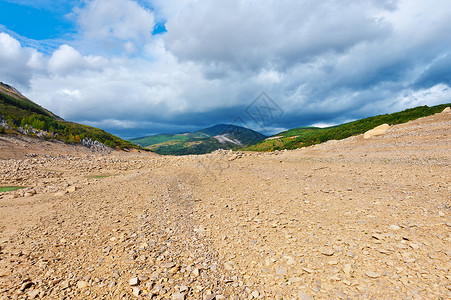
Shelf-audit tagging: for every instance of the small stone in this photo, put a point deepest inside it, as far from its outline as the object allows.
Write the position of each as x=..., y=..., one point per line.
x=64, y=284
x=394, y=227
x=291, y=261
x=281, y=271
x=310, y=271
x=178, y=296
x=196, y=272
x=26, y=285
x=136, y=291
x=209, y=297
x=183, y=288
x=327, y=252
x=174, y=270
x=372, y=274
x=441, y=213
x=255, y=294
x=347, y=269
x=71, y=189
x=220, y=297
x=33, y=294
x=303, y=296
x=82, y=284
x=332, y=262
x=228, y=266
x=134, y=281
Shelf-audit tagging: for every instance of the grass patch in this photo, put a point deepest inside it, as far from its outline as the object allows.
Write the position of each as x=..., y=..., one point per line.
x=10, y=188
x=97, y=176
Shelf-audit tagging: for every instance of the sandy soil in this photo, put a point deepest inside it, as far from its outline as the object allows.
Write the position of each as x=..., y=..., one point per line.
x=352, y=219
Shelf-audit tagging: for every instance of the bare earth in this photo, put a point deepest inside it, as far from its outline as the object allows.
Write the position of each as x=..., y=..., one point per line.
x=352, y=219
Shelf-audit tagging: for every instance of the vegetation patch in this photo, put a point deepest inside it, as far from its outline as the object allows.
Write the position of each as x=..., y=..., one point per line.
x=307, y=136
x=98, y=176
x=10, y=188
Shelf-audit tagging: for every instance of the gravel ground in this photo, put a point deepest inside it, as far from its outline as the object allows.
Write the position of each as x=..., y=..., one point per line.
x=352, y=219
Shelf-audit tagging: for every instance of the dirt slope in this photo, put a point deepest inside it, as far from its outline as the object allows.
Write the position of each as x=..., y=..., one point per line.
x=358, y=218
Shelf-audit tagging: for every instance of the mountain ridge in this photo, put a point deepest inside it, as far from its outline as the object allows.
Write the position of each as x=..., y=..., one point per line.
x=206, y=140
x=21, y=116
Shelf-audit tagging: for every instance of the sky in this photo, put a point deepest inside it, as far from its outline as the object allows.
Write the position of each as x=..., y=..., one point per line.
x=136, y=68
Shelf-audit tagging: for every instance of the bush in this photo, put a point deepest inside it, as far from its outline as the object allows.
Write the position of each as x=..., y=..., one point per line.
x=2, y=130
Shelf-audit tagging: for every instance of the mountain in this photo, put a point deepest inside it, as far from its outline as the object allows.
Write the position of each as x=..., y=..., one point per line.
x=20, y=115
x=307, y=136
x=222, y=136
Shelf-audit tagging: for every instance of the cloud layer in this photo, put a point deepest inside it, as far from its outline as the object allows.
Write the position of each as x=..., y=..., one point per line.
x=320, y=62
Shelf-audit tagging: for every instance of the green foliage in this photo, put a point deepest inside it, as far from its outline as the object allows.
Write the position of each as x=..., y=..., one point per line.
x=2, y=130
x=159, y=138
x=19, y=111
x=199, y=142
x=307, y=136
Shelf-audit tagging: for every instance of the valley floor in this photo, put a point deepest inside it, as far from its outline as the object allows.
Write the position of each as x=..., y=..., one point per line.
x=351, y=219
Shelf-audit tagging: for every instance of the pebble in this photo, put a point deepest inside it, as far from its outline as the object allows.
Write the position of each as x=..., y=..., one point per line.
x=136, y=291
x=327, y=252
x=372, y=274
x=281, y=271
x=134, y=281
x=178, y=296
x=82, y=284
x=394, y=227
x=255, y=294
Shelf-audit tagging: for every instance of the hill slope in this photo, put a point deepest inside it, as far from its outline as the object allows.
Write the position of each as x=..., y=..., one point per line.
x=222, y=136
x=307, y=136
x=19, y=115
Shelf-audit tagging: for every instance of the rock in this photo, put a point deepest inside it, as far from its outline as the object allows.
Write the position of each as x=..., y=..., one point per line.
x=372, y=274
x=183, y=288
x=303, y=296
x=228, y=266
x=71, y=189
x=196, y=271
x=379, y=130
x=26, y=285
x=447, y=110
x=33, y=294
x=347, y=269
x=134, y=281
x=394, y=227
x=136, y=291
x=82, y=284
x=209, y=297
x=327, y=252
x=64, y=284
x=291, y=261
x=281, y=271
x=255, y=294
x=173, y=270
x=310, y=271
x=178, y=296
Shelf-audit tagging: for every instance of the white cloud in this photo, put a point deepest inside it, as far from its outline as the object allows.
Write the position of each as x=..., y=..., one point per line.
x=113, y=22
x=321, y=62
x=17, y=63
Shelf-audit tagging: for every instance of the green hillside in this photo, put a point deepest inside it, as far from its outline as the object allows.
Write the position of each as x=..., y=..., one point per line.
x=222, y=136
x=19, y=115
x=159, y=138
x=307, y=136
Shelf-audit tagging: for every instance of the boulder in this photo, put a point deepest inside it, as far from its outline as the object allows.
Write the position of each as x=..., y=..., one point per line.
x=379, y=130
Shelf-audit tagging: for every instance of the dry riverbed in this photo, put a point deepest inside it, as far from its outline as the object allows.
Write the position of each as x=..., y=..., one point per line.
x=352, y=219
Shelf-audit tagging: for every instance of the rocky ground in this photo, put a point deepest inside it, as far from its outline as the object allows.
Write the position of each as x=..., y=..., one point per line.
x=352, y=219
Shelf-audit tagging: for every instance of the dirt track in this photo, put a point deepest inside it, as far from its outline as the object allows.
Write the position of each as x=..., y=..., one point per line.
x=347, y=219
